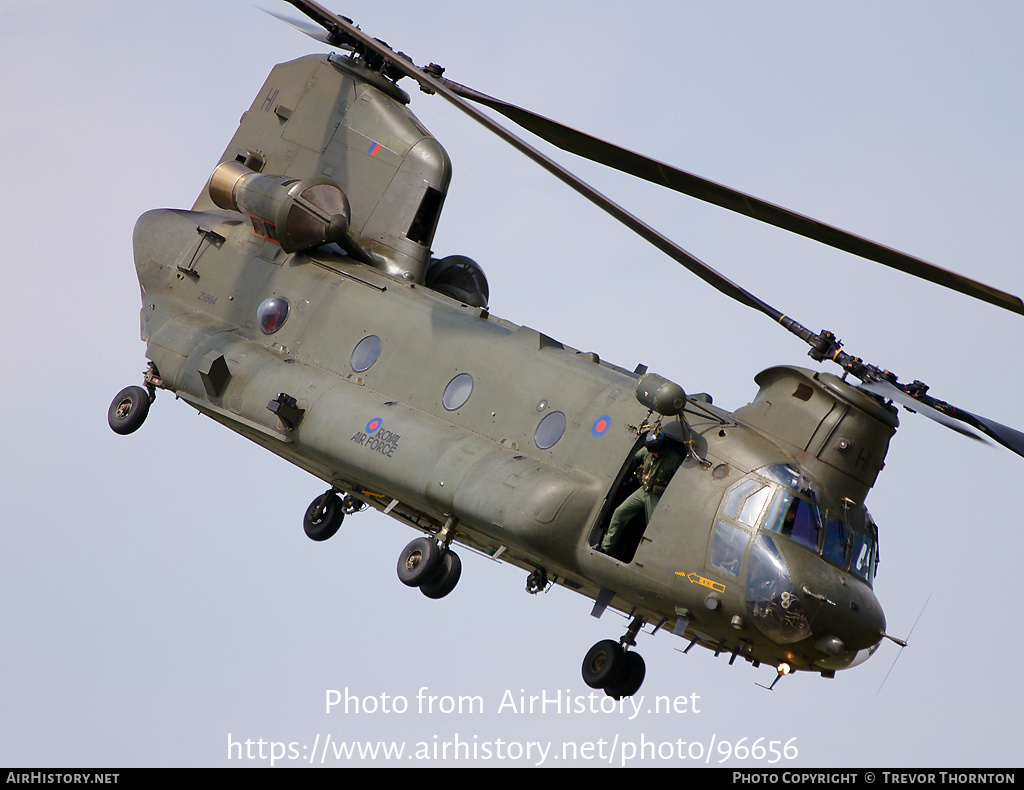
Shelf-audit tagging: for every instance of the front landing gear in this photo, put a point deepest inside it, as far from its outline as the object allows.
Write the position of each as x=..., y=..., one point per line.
x=425, y=564
x=609, y=666
x=447, y=576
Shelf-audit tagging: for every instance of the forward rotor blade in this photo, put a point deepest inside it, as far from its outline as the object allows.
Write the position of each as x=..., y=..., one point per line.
x=626, y=161
x=1008, y=437
x=950, y=416
x=891, y=392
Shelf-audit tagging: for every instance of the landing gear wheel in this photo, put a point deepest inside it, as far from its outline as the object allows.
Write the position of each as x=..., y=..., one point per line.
x=323, y=517
x=633, y=678
x=128, y=410
x=447, y=576
x=418, y=562
x=604, y=665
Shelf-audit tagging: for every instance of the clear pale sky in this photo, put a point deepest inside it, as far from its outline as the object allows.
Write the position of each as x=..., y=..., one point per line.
x=157, y=594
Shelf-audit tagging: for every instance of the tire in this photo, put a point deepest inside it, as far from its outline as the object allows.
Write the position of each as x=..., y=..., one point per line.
x=635, y=672
x=418, y=562
x=323, y=518
x=604, y=665
x=445, y=578
x=128, y=410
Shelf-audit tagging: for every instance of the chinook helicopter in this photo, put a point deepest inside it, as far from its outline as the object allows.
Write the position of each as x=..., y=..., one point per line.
x=299, y=304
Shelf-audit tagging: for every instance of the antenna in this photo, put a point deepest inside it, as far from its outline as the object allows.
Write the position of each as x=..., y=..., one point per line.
x=902, y=643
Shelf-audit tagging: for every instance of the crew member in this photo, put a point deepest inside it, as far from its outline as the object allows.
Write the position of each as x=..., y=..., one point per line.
x=657, y=462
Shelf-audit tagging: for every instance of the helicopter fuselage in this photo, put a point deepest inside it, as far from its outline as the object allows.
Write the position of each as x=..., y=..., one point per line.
x=384, y=434
x=503, y=439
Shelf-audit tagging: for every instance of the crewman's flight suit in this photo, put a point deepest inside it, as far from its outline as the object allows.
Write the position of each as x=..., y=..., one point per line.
x=655, y=471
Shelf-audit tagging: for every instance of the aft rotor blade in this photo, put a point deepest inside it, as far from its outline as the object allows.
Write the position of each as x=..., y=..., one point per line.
x=341, y=28
x=823, y=345
x=950, y=416
x=311, y=30
x=328, y=20
x=626, y=161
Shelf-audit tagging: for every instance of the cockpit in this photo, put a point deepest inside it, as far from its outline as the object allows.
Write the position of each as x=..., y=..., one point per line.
x=843, y=536
x=772, y=510
x=778, y=500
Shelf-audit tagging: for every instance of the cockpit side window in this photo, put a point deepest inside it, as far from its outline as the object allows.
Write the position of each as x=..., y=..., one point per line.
x=738, y=496
x=864, y=552
x=728, y=547
x=750, y=513
x=836, y=541
x=746, y=501
x=742, y=511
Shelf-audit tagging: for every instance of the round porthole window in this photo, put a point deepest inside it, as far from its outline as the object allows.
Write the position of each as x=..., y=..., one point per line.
x=457, y=392
x=549, y=430
x=365, y=353
x=271, y=314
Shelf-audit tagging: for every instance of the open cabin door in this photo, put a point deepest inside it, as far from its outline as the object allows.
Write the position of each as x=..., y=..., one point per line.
x=626, y=483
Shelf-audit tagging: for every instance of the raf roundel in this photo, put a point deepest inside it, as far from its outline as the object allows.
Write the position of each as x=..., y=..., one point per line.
x=601, y=426
x=374, y=425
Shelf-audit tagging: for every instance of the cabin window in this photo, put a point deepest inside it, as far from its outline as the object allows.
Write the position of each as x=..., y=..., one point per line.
x=550, y=430
x=457, y=392
x=365, y=353
x=271, y=314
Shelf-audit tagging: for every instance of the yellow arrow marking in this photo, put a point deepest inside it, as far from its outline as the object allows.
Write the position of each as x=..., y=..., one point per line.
x=695, y=578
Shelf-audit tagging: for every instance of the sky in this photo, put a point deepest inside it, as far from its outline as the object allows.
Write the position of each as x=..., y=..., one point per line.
x=159, y=603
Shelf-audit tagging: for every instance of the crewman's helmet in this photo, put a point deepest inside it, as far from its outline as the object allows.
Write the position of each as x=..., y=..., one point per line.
x=655, y=442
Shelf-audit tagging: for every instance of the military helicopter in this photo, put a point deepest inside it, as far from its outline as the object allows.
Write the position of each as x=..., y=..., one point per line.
x=299, y=304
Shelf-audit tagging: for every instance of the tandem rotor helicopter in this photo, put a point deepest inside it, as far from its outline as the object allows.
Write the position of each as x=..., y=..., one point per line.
x=298, y=303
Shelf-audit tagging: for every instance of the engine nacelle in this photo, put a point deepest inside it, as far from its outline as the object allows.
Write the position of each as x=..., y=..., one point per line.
x=297, y=214
x=460, y=278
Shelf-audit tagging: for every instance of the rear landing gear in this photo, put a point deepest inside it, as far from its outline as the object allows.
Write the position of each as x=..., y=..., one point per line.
x=128, y=410
x=323, y=516
x=325, y=513
x=130, y=407
x=609, y=666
